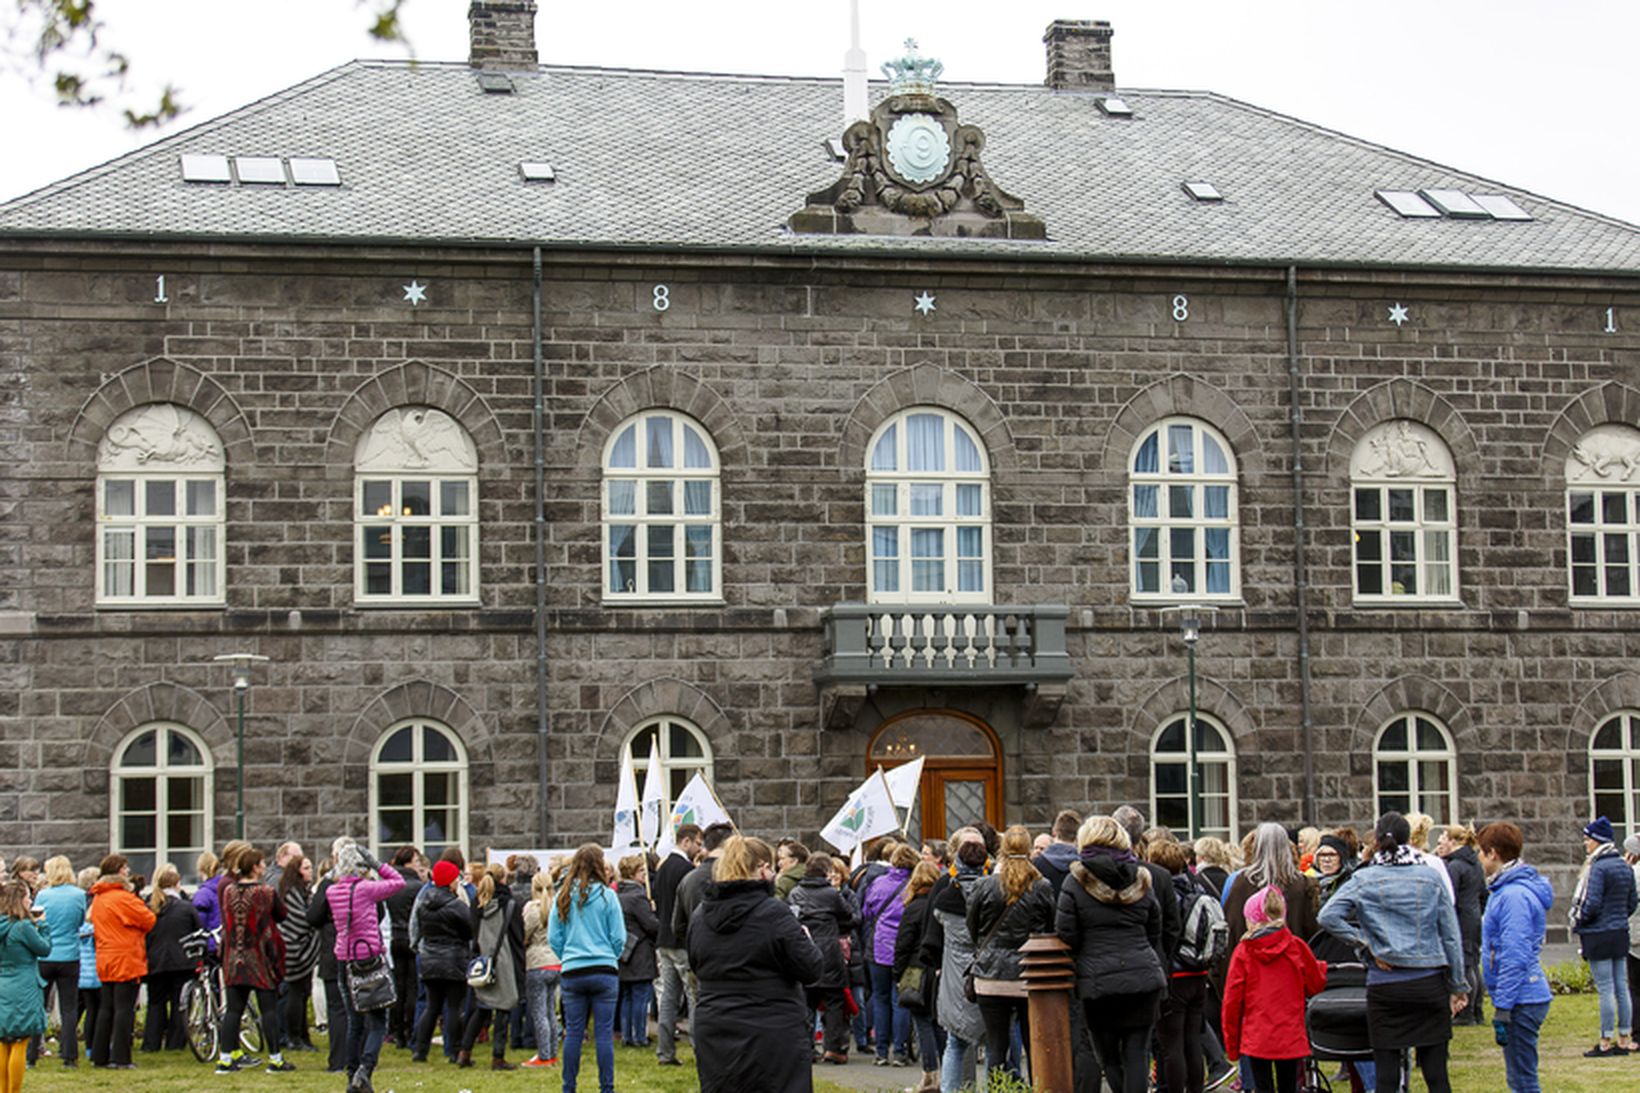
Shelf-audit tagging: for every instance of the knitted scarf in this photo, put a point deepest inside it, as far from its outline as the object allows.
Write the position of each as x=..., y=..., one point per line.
x=1604, y=850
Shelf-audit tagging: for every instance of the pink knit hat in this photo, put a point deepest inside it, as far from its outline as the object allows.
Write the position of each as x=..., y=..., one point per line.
x=1254, y=910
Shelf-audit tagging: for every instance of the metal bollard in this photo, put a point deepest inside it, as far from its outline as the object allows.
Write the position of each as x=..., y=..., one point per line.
x=1050, y=978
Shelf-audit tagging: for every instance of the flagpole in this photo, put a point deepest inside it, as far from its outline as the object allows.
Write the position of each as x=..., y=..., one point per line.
x=713, y=791
x=904, y=832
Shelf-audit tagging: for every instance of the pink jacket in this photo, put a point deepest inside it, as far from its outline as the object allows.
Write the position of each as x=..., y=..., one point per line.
x=353, y=903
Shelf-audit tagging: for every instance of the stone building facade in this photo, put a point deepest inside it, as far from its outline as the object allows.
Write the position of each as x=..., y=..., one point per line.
x=1049, y=670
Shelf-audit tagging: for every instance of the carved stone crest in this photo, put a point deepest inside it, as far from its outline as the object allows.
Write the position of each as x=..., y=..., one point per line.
x=1401, y=449
x=914, y=169
x=1607, y=453
x=160, y=436
x=416, y=438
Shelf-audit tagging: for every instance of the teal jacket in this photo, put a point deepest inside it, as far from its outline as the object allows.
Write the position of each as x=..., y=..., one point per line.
x=64, y=905
x=594, y=936
x=22, y=1003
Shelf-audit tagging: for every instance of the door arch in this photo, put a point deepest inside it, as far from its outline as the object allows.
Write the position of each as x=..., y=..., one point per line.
x=962, y=768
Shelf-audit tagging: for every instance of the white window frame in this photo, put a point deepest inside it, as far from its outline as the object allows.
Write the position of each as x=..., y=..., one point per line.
x=151, y=444
x=1604, y=464
x=416, y=766
x=446, y=458
x=701, y=764
x=162, y=772
x=1404, y=455
x=676, y=477
x=1627, y=754
x=1197, y=481
x=1225, y=759
x=903, y=523
x=1412, y=756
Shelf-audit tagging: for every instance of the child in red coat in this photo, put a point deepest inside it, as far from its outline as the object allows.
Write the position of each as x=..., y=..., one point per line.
x=1271, y=974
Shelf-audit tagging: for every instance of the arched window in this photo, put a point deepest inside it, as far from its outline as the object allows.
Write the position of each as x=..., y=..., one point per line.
x=661, y=511
x=1415, y=768
x=1172, y=803
x=1614, y=772
x=1404, y=515
x=418, y=789
x=159, y=509
x=928, y=511
x=1603, y=515
x=417, y=514
x=685, y=752
x=162, y=798
x=1182, y=504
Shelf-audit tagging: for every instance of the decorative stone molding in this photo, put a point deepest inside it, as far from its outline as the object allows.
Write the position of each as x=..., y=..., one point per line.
x=1385, y=404
x=1605, y=455
x=417, y=698
x=415, y=438
x=161, y=436
x=1620, y=692
x=158, y=701
x=659, y=388
x=153, y=383
x=1407, y=694
x=1172, y=699
x=926, y=385
x=1608, y=404
x=412, y=386
x=664, y=697
x=1401, y=450
x=1181, y=395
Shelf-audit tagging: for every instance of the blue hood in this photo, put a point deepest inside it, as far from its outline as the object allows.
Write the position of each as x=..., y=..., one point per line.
x=1527, y=876
x=1060, y=855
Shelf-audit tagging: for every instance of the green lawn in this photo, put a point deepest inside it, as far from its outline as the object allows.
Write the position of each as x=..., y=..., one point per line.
x=1572, y=1028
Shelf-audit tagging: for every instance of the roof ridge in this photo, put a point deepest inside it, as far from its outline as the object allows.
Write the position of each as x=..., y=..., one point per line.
x=98, y=170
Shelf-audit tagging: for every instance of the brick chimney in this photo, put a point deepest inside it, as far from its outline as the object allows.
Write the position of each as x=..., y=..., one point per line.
x=1079, y=55
x=502, y=33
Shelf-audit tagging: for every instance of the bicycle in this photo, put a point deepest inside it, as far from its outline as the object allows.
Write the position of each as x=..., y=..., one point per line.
x=205, y=1001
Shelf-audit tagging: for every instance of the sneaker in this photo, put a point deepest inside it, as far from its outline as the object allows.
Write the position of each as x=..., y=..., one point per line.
x=881, y=1060
x=669, y=1062
x=230, y=1067
x=536, y=1060
x=284, y=1066
x=1598, y=1052
x=900, y=1060
x=1215, y=1081
x=502, y=1064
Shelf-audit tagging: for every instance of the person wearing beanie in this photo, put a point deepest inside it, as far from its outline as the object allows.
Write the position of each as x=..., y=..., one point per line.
x=1272, y=975
x=1601, y=906
x=1333, y=865
x=444, y=929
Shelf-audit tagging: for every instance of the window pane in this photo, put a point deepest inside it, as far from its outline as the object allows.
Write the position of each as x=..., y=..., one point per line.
x=1401, y=505
x=924, y=442
x=927, y=559
x=1217, y=542
x=927, y=542
x=1581, y=508
x=1395, y=737
x=436, y=747
x=397, y=747
x=1585, y=581
x=1213, y=459
x=927, y=499
x=417, y=578
x=139, y=831
x=1614, y=508
x=417, y=542
x=119, y=568
x=395, y=827
x=970, y=500
x=378, y=579
x=139, y=794
x=1609, y=736
x=1181, y=457
x=658, y=438
x=1394, y=777
x=439, y=789
x=1146, y=541
x=1171, y=778
x=623, y=497
x=454, y=578
x=1181, y=543
x=969, y=542
x=1435, y=506
x=683, y=743
x=119, y=497
x=967, y=451
x=184, y=830
x=1179, y=501
x=378, y=542
x=161, y=497
x=1367, y=505
x=161, y=554
x=883, y=500
x=453, y=543
x=201, y=498
x=658, y=498
x=416, y=498
x=376, y=499
x=885, y=542
x=1144, y=502
x=395, y=789
x=624, y=452
x=454, y=499
x=1172, y=737
x=1429, y=737
x=180, y=751
x=695, y=452
x=1144, y=461
x=1149, y=577
x=882, y=456
x=662, y=577
x=201, y=544
x=1218, y=575
x=1583, y=549
x=697, y=498
x=1216, y=502
x=1182, y=578
x=970, y=576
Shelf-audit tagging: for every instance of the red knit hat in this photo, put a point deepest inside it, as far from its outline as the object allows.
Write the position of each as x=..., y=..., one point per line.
x=445, y=872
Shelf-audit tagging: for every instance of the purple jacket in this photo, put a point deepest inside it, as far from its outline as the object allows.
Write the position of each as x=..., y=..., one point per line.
x=353, y=903
x=209, y=908
x=881, y=912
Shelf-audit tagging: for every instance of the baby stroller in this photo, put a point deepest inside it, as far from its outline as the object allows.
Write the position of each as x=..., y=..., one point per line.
x=1337, y=1017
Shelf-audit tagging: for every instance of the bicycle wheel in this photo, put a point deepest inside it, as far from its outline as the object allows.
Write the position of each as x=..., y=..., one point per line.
x=200, y=1021
x=250, y=1029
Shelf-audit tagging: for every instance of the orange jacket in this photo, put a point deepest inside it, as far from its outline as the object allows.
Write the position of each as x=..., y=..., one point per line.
x=119, y=923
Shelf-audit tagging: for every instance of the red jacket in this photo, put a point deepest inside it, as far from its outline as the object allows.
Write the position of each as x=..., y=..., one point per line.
x=1270, y=977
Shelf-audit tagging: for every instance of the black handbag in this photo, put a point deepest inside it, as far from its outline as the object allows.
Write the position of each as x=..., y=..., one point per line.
x=970, y=974
x=369, y=979
x=912, y=988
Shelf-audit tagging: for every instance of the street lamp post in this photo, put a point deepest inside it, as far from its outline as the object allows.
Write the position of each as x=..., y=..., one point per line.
x=1190, y=629
x=242, y=665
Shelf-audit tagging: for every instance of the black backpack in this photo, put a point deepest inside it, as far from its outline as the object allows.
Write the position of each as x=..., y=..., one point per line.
x=1206, y=937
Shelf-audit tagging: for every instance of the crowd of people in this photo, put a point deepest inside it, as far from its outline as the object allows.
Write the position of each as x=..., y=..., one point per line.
x=1194, y=961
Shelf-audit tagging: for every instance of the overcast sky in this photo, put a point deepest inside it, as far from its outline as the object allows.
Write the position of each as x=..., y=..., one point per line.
x=1531, y=93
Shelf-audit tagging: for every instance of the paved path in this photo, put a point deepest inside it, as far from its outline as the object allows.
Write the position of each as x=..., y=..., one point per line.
x=862, y=1075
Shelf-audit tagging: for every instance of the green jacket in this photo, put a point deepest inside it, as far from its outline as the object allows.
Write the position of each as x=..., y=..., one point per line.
x=785, y=882
x=22, y=1003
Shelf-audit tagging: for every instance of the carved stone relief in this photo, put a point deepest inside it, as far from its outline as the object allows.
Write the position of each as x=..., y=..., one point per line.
x=1607, y=453
x=160, y=436
x=1401, y=449
x=416, y=438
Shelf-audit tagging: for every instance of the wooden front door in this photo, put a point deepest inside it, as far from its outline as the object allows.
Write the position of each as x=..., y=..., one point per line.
x=962, y=769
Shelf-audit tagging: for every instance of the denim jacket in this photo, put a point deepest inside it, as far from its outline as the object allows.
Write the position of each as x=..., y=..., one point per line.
x=1387, y=909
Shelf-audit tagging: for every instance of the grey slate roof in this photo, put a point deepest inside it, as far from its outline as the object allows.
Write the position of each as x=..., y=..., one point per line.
x=668, y=160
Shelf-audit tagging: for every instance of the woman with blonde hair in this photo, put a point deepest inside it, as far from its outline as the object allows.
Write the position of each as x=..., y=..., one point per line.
x=919, y=897
x=752, y=960
x=63, y=903
x=498, y=933
x=168, y=966
x=587, y=931
x=542, y=971
x=1006, y=908
x=24, y=939
x=1456, y=847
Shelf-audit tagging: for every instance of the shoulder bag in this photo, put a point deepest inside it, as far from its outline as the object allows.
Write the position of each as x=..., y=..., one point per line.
x=968, y=976
x=369, y=979
x=481, y=968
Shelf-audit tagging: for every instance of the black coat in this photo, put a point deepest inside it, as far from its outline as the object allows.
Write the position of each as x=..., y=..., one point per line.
x=908, y=942
x=1112, y=921
x=1469, y=887
x=399, y=905
x=664, y=886
x=1172, y=918
x=691, y=890
x=829, y=916
x=318, y=916
x=752, y=960
x=175, y=921
x=1031, y=913
x=638, y=963
x=446, y=934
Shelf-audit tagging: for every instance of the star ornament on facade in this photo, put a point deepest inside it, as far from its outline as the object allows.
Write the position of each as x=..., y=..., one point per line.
x=925, y=303
x=1398, y=314
x=415, y=293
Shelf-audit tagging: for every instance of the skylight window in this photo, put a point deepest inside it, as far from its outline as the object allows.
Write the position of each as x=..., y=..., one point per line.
x=834, y=145
x=536, y=171
x=496, y=83
x=259, y=170
x=1407, y=203
x=1455, y=203
x=205, y=169
x=1114, y=107
x=1501, y=207
x=308, y=171
x=1203, y=191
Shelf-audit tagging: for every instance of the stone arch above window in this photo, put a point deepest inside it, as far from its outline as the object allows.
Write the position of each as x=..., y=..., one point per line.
x=1397, y=697
x=1180, y=395
x=662, y=388
x=160, y=381
x=412, y=387
x=665, y=697
x=926, y=385
x=1608, y=404
x=1405, y=400
x=1213, y=698
x=418, y=699
x=159, y=701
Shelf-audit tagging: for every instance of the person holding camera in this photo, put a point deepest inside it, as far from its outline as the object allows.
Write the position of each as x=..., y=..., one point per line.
x=355, y=902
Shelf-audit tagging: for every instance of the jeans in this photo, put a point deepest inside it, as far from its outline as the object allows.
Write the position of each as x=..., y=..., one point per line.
x=1520, y=1052
x=541, y=985
x=476, y=1021
x=892, y=1021
x=591, y=996
x=635, y=1013
x=957, y=1065
x=65, y=976
x=999, y=1015
x=673, y=982
x=1181, y=1033
x=116, y=1023
x=439, y=994
x=930, y=1042
x=401, y=1015
x=1615, y=1007
x=365, y=1033
x=234, y=1014
x=297, y=992
x=336, y=1018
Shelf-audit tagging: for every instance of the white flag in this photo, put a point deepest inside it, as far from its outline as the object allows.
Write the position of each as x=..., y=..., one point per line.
x=626, y=806
x=695, y=805
x=904, y=782
x=649, y=802
x=868, y=812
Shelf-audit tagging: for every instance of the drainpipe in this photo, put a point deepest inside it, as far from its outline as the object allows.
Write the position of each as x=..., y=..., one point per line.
x=540, y=424
x=1301, y=573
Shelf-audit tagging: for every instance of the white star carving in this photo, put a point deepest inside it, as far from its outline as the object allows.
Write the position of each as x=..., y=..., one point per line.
x=415, y=292
x=1398, y=314
x=925, y=303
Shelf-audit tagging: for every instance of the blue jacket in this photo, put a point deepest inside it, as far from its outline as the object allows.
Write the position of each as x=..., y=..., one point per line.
x=1512, y=937
x=64, y=905
x=594, y=936
x=88, y=959
x=1610, y=897
x=1389, y=910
